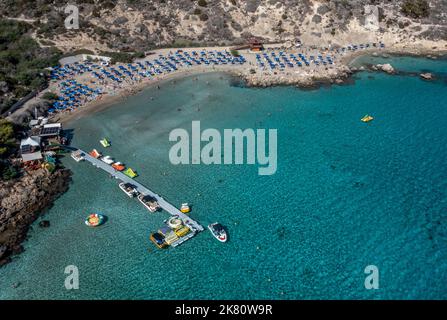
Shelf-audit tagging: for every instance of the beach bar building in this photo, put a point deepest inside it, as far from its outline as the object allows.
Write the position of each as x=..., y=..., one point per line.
x=50, y=130
x=255, y=45
x=30, y=149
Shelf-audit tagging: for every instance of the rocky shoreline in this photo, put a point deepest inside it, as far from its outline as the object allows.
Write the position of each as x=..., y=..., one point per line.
x=340, y=75
x=24, y=200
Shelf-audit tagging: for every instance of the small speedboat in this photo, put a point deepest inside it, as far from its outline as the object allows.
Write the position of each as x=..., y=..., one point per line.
x=367, y=118
x=118, y=166
x=185, y=208
x=129, y=189
x=149, y=202
x=107, y=159
x=94, y=220
x=218, y=231
x=105, y=143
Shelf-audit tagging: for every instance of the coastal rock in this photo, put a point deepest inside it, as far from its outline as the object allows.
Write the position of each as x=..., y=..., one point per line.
x=22, y=202
x=426, y=76
x=388, y=68
x=4, y=88
x=44, y=224
x=3, y=251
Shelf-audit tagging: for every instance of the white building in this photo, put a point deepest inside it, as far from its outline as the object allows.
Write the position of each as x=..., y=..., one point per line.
x=30, y=149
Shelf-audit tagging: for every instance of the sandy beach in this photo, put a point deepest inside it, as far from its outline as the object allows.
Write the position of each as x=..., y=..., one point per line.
x=309, y=76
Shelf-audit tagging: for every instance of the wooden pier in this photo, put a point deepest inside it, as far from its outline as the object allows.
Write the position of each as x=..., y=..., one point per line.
x=165, y=205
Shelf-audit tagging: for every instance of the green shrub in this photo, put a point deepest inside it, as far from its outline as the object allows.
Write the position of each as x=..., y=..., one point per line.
x=7, y=140
x=234, y=53
x=202, y=3
x=8, y=172
x=415, y=8
x=139, y=54
x=50, y=96
x=22, y=61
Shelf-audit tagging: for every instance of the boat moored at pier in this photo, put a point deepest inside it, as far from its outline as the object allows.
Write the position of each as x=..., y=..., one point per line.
x=130, y=173
x=95, y=154
x=129, y=189
x=149, y=202
x=185, y=208
x=107, y=159
x=181, y=228
x=118, y=166
x=78, y=155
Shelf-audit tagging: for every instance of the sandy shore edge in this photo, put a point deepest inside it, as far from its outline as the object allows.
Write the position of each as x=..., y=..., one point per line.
x=340, y=75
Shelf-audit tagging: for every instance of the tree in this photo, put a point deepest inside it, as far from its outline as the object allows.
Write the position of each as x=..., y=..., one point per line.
x=9, y=172
x=415, y=8
x=234, y=53
x=7, y=139
x=50, y=96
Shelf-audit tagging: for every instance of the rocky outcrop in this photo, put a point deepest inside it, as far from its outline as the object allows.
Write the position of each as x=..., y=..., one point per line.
x=44, y=224
x=388, y=68
x=22, y=201
x=311, y=80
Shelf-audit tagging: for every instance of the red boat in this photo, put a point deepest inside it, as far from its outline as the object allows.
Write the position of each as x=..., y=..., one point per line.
x=118, y=166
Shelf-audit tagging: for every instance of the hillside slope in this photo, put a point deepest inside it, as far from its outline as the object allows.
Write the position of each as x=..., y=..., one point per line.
x=140, y=25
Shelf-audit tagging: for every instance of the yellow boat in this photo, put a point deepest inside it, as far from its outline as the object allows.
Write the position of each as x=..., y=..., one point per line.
x=182, y=231
x=367, y=118
x=185, y=208
x=130, y=173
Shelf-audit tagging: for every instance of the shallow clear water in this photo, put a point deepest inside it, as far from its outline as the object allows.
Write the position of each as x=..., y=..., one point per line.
x=346, y=195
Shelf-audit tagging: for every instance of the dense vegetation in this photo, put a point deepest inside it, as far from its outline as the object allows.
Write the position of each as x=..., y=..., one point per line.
x=50, y=96
x=8, y=146
x=415, y=8
x=22, y=62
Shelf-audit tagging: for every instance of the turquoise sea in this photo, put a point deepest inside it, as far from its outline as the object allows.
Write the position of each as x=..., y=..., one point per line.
x=346, y=195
